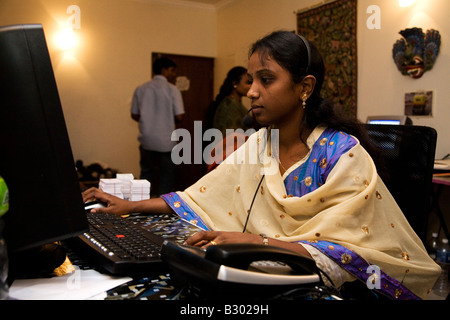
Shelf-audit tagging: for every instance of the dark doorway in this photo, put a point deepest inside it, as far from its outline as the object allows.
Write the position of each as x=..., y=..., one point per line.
x=196, y=82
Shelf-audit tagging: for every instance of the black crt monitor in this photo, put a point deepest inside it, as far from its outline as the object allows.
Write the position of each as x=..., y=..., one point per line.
x=36, y=159
x=389, y=120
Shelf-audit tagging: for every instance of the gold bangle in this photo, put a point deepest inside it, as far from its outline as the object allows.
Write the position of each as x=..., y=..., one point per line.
x=265, y=239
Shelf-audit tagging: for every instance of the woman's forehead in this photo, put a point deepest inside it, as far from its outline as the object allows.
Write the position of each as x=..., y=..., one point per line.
x=262, y=61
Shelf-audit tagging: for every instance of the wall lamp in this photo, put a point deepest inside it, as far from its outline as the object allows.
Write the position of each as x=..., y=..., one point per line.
x=67, y=38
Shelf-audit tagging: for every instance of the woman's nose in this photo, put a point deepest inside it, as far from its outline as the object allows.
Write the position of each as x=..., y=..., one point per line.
x=252, y=93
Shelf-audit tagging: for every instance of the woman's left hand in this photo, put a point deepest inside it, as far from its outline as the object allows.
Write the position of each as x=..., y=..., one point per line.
x=205, y=239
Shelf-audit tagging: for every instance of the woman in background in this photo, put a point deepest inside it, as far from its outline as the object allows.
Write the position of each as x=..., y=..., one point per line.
x=227, y=110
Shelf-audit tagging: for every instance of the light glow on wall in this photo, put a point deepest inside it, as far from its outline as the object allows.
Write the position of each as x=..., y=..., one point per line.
x=406, y=3
x=66, y=39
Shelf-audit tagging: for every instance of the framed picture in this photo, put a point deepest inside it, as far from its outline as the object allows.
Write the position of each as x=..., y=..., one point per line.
x=419, y=103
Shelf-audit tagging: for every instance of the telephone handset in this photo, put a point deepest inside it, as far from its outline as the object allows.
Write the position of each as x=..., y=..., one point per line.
x=240, y=267
x=242, y=255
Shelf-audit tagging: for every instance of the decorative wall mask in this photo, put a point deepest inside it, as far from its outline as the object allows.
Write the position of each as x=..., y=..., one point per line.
x=416, y=52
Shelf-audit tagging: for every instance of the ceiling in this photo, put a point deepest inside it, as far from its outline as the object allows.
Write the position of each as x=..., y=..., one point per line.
x=212, y=3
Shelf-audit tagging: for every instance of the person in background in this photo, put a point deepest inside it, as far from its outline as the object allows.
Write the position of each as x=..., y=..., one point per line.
x=157, y=105
x=227, y=110
x=314, y=188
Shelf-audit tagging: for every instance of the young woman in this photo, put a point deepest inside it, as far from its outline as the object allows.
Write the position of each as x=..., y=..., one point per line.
x=227, y=110
x=304, y=182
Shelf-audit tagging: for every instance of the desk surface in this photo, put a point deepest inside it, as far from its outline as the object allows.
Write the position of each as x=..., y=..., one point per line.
x=441, y=179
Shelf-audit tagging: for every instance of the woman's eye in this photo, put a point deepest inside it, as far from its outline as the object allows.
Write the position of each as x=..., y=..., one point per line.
x=266, y=80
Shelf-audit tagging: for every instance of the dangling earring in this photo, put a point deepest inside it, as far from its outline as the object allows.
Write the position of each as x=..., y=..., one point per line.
x=304, y=98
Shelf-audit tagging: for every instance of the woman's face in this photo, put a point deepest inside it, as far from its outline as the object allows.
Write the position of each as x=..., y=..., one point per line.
x=275, y=98
x=243, y=86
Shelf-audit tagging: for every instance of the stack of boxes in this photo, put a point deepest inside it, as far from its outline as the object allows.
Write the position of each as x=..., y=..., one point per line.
x=124, y=186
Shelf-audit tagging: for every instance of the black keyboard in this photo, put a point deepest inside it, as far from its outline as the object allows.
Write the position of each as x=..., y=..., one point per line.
x=131, y=245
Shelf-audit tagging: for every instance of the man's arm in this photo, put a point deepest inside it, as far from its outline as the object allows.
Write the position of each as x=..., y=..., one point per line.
x=135, y=117
x=179, y=118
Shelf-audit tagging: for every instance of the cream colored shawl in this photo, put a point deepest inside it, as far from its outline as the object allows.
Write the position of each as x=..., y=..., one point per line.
x=353, y=208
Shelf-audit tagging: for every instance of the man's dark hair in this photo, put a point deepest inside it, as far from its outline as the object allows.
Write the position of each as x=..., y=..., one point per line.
x=162, y=63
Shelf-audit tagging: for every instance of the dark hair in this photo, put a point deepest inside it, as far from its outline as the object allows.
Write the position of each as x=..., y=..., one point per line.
x=290, y=51
x=234, y=76
x=162, y=63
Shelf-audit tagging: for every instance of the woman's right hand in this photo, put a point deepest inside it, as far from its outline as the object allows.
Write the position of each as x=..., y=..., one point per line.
x=114, y=205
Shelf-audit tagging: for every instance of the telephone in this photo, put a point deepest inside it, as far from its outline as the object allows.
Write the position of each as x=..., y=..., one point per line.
x=239, y=270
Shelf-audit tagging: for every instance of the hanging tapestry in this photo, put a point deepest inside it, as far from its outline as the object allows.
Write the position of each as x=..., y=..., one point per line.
x=332, y=28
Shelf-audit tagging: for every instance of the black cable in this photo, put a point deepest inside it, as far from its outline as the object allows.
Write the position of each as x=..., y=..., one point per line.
x=332, y=289
x=251, y=205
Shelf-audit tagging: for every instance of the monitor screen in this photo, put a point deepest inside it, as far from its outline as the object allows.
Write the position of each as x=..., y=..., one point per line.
x=36, y=160
x=389, y=120
x=384, y=121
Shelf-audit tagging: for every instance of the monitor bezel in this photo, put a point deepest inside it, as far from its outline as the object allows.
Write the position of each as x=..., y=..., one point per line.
x=37, y=162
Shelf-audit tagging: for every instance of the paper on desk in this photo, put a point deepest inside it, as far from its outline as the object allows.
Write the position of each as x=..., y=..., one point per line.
x=442, y=164
x=78, y=285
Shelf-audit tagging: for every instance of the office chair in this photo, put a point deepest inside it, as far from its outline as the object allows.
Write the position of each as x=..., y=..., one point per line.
x=407, y=158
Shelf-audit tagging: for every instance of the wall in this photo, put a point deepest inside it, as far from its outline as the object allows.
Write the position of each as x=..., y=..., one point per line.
x=381, y=87
x=243, y=22
x=97, y=79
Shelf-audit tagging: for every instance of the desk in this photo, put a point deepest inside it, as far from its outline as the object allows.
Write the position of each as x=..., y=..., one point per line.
x=81, y=280
x=441, y=180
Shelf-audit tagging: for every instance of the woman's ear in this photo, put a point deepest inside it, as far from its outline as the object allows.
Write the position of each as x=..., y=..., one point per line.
x=308, y=84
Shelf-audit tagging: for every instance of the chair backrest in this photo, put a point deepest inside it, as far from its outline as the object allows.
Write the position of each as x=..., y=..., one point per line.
x=407, y=153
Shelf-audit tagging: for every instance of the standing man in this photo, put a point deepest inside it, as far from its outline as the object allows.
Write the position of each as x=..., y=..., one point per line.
x=157, y=105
